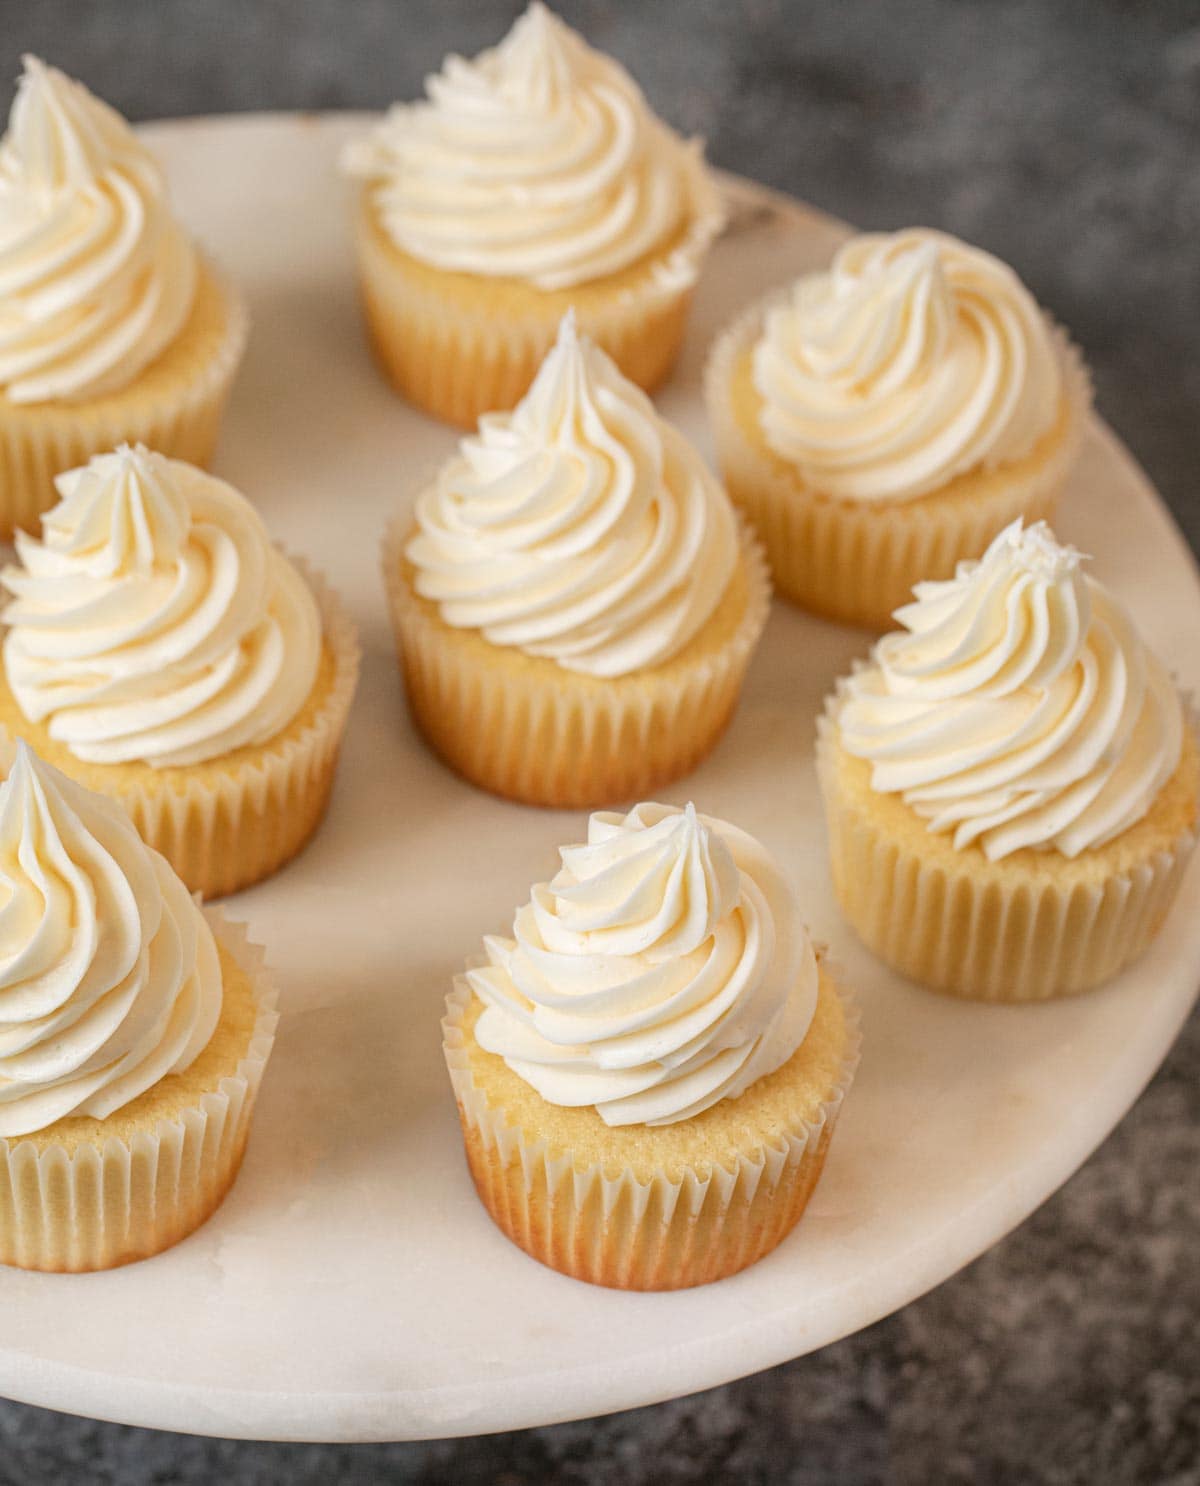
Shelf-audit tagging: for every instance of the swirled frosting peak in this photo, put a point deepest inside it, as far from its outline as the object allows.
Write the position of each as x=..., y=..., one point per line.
x=540, y=161
x=96, y=276
x=580, y=527
x=663, y=969
x=914, y=359
x=1017, y=707
x=155, y=621
x=109, y=975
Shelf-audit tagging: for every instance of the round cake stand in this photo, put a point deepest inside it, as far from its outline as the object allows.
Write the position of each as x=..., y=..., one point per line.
x=352, y=1287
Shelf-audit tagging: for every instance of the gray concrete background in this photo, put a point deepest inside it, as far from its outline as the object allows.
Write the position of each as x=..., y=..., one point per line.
x=1066, y=137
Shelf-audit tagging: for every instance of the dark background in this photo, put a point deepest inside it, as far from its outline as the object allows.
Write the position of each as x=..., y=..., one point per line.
x=1066, y=138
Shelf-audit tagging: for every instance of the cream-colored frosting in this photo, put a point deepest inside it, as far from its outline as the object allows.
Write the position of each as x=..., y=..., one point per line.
x=155, y=620
x=539, y=161
x=914, y=359
x=96, y=276
x=1017, y=707
x=109, y=975
x=663, y=969
x=580, y=527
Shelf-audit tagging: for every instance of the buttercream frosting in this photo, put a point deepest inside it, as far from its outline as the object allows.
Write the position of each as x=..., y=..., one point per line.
x=663, y=969
x=913, y=360
x=155, y=620
x=1017, y=707
x=538, y=160
x=109, y=975
x=96, y=276
x=581, y=526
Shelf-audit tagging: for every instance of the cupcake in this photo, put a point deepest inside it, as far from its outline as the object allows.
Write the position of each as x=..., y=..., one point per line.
x=529, y=180
x=649, y=1070
x=134, y=1030
x=162, y=651
x=883, y=420
x=575, y=604
x=1011, y=782
x=112, y=326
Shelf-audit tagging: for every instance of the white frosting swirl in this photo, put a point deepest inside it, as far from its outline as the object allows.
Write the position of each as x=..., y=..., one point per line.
x=96, y=276
x=1018, y=708
x=155, y=620
x=540, y=161
x=109, y=975
x=580, y=526
x=913, y=360
x=663, y=969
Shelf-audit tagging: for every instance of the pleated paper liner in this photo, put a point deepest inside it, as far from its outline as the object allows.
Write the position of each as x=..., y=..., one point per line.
x=524, y=728
x=857, y=561
x=459, y=345
x=173, y=407
x=1025, y=928
x=230, y=822
x=89, y=1194
x=643, y=1222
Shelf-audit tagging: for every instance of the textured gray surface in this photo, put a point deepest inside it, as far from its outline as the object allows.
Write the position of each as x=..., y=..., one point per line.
x=1065, y=137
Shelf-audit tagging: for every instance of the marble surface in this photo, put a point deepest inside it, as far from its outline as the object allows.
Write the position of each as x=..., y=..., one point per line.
x=1064, y=136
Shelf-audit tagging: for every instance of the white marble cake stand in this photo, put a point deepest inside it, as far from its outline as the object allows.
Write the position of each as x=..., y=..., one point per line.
x=352, y=1288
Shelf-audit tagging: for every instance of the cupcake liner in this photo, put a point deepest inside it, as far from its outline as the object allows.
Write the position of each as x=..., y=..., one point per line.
x=173, y=407
x=223, y=834
x=457, y=356
x=103, y=1205
x=857, y=561
x=226, y=827
x=524, y=728
x=602, y=1223
x=983, y=931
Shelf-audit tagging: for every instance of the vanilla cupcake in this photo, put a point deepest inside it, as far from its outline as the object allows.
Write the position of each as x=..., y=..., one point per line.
x=648, y=1072
x=161, y=650
x=883, y=420
x=112, y=325
x=531, y=179
x=575, y=604
x=1010, y=783
x=134, y=1030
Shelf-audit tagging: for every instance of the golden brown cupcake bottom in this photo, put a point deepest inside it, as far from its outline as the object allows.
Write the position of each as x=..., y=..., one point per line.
x=173, y=407
x=1032, y=925
x=229, y=822
x=87, y=1194
x=457, y=345
x=524, y=728
x=651, y=1208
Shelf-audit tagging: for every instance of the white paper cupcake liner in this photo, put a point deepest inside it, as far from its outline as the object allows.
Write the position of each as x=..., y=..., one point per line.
x=547, y=736
x=456, y=359
x=108, y=1204
x=985, y=931
x=173, y=409
x=857, y=561
x=221, y=832
x=603, y=1224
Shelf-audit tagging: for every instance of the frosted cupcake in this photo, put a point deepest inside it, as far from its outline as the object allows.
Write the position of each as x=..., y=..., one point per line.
x=134, y=1030
x=529, y=180
x=649, y=1070
x=161, y=650
x=575, y=605
x=112, y=325
x=883, y=420
x=1010, y=783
